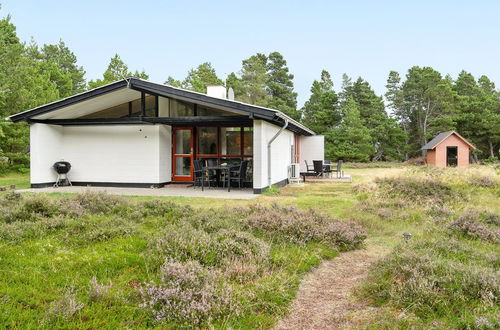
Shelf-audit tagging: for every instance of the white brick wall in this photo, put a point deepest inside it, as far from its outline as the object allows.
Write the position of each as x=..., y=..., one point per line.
x=117, y=154
x=280, y=153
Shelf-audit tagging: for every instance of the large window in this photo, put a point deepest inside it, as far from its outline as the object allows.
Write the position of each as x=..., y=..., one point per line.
x=228, y=145
x=207, y=141
x=181, y=109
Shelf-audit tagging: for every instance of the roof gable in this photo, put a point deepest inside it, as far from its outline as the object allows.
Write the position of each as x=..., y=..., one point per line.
x=254, y=112
x=432, y=144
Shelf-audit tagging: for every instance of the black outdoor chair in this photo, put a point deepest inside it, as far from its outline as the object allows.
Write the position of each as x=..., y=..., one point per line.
x=318, y=167
x=198, y=174
x=237, y=173
x=327, y=166
x=339, y=171
x=309, y=168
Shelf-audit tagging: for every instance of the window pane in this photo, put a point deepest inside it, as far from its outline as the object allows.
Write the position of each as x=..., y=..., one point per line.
x=248, y=141
x=118, y=111
x=181, y=109
x=150, y=106
x=183, y=141
x=183, y=166
x=230, y=141
x=207, y=140
x=204, y=111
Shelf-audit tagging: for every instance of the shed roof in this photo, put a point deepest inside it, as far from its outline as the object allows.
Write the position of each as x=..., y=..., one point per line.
x=443, y=136
x=253, y=111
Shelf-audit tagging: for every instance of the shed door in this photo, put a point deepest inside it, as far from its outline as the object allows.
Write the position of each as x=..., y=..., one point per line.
x=451, y=156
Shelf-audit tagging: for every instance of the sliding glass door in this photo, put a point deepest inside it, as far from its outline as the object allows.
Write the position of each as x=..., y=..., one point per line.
x=182, y=154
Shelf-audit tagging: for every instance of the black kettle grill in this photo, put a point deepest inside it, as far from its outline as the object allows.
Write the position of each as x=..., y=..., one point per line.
x=62, y=168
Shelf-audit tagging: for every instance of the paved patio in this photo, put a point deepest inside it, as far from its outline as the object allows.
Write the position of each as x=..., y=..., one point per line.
x=168, y=191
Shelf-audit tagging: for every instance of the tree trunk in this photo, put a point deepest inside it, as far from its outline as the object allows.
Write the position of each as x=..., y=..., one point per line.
x=492, y=152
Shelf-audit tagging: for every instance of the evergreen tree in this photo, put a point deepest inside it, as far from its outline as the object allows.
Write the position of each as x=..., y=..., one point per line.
x=60, y=63
x=350, y=140
x=280, y=86
x=423, y=103
x=173, y=82
x=116, y=70
x=198, y=79
x=478, y=113
x=24, y=84
x=321, y=112
x=387, y=138
x=254, y=80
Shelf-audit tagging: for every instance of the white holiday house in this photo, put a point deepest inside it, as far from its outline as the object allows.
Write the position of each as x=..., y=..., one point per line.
x=137, y=133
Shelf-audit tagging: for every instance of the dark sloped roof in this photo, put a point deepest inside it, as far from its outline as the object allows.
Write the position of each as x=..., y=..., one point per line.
x=442, y=136
x=257, y=112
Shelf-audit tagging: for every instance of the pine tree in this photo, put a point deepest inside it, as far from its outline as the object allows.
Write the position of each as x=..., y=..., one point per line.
x=116, y=70
x=350, y=140
x=198, y=79
x=280, y=86
x=321, y=112
x=387, y=138
x=254, y=80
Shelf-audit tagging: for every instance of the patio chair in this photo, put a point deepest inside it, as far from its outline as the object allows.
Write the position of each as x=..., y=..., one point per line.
x=237, y=173
x=318, y=167
x=198, y=173
x=339, y=171
x=327, y=166
x=309, y=168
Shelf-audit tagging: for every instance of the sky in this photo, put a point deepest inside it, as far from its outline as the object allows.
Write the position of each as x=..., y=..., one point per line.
x=359, y=38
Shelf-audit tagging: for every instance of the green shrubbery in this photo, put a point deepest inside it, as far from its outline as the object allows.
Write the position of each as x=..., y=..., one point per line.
x=200, y=267
x=447, y=274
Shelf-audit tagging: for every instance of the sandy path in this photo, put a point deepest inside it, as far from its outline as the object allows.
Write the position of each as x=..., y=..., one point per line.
x=324, y=298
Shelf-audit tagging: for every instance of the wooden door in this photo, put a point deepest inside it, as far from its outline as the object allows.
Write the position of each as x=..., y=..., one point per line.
x=182, y=154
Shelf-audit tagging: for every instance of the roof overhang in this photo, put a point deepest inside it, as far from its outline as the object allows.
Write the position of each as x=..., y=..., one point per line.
x=130, y=88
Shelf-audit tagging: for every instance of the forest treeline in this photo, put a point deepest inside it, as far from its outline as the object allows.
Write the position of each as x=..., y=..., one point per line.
x=358, y=124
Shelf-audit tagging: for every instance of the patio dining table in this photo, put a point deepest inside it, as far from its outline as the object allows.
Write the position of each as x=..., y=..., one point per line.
x=219, y=169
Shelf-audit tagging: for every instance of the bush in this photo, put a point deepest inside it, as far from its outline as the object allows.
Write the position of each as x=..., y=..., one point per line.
x=187, y=294
x=188, y=243
x=66, y=306
x=162, y=208
x=32, y=208
x=482, y=181
x=300, y=226
x=469, y=225
x=100, y=202
x=423, y=279
x=417, y=189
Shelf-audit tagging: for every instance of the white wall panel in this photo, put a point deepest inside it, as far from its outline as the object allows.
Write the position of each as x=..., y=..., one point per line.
x=280, y=153
x=311, y=148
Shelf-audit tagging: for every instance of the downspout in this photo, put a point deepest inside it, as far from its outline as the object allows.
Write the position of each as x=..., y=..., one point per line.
x=269, y=150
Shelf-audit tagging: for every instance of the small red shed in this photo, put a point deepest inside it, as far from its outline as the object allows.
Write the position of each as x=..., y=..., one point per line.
x=448, y=149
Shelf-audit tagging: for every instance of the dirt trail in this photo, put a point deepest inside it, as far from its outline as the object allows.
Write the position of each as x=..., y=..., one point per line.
x=324, y=299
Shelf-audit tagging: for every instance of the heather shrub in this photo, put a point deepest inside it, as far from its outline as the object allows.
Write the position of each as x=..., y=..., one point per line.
x=482, y=181
x=302, y=226
x=31, y=208
x=427, y=283
x=162, y=208
x=66, y=306
x=469, y=224
x=187, y=294
x=184, y=242
x=99, y=292
x=100, y=202
x=416, y=189
x=91, y=230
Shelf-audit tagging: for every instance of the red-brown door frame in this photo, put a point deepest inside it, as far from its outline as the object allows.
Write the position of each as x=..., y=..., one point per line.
x=181, y=178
